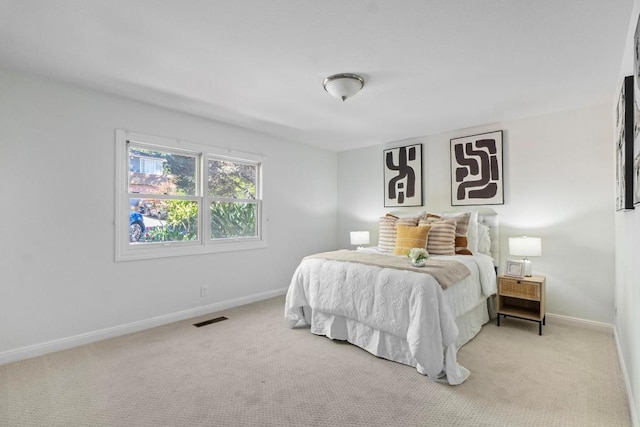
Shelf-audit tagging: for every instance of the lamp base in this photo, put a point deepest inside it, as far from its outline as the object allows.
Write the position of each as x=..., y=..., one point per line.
x=527, y=268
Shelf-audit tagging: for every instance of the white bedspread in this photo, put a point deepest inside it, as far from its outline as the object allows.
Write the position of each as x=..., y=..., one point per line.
x=404, y=304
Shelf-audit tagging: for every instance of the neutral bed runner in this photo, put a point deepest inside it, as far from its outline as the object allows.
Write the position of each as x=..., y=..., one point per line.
x=446, y=272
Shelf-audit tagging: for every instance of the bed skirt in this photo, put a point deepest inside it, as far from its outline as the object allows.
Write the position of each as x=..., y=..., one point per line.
x=392, y=347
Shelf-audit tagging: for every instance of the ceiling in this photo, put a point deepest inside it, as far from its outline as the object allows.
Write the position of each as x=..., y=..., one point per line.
x=430, y=66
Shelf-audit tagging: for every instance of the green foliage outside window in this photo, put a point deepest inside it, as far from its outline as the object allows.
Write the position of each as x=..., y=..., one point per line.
x=184, y=170
x=232, y=180
x=233, y=219
x=181, y=223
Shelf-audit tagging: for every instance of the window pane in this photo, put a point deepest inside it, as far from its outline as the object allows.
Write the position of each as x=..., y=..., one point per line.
x=162, y=220
x=160, y=172
x=233, y=219
x=231, y=179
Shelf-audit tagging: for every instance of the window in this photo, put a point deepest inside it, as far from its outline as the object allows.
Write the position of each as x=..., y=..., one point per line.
x=182, y=198
x=234, y=205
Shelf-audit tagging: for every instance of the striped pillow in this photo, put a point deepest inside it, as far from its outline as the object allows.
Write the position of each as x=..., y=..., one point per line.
x=462, y=228
x=387, y=231
x=442, y=236
x=410, y=236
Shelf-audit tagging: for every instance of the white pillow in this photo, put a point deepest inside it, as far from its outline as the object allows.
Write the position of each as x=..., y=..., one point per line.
x=484, y=239
x=473, y=239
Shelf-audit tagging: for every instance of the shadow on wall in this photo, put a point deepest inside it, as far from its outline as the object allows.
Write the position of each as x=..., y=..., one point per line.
x=579, y=263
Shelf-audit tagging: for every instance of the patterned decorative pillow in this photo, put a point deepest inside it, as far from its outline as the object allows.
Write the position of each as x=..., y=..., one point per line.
x=387, y=231
x=442, y=237
x=411, y=236
x=462, y=228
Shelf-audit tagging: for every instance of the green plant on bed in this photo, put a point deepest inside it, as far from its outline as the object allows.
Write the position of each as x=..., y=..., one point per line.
x=417, y=254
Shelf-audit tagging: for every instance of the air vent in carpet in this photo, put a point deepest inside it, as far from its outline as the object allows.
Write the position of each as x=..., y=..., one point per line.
x=210, y=321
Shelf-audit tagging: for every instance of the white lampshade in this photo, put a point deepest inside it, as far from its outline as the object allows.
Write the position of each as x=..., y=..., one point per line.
x=359, y=237
x=343, y=86
x=525, y=246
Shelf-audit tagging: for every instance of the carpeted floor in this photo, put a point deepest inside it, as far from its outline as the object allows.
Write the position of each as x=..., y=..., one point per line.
x=251, y=370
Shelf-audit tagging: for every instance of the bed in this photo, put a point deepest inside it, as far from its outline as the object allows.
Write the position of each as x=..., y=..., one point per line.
x=416, y=316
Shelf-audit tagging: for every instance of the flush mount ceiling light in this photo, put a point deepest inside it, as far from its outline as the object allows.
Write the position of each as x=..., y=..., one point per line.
x=343, y=86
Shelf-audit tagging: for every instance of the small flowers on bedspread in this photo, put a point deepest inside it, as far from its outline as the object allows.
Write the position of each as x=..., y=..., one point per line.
x=418, y=256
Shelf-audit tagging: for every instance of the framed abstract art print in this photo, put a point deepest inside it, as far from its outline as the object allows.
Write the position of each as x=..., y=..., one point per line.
x=624, y=146
x=636, y=116
x=403, y=176
x=476, y=170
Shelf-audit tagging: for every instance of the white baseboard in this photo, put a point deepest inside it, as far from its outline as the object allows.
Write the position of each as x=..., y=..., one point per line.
x=89, y=337
x=635, y=422
x=580, y=323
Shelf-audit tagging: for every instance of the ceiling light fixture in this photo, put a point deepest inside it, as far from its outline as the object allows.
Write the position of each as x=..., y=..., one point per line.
x=343, y=86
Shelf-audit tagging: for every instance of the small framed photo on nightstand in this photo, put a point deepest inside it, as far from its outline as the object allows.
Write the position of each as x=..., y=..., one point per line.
x=514, y=268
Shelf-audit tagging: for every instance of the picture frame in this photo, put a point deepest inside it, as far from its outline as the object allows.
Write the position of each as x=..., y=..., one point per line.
x=624, y=146
x=403, y=176
x=514, y=268
x=476, y=170
x=636, y=116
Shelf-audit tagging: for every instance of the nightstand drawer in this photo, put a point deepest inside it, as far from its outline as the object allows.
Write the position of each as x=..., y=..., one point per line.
x=519, y=288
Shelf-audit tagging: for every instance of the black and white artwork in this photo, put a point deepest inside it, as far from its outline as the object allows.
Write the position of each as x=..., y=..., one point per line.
x=636, y=117
x=403, y=176
x=476, y=170
x=624, y=146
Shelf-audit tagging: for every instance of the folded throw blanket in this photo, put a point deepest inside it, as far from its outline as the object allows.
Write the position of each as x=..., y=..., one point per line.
x=446, y=272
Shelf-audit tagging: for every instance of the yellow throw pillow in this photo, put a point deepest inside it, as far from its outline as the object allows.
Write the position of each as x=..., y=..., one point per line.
x=387, y=231
x=409, y=236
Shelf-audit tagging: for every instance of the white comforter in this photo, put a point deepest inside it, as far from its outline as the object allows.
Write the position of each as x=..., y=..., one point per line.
x=409, y=305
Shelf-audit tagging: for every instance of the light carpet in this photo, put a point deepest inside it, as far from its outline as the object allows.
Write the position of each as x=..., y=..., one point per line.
x=251, y=370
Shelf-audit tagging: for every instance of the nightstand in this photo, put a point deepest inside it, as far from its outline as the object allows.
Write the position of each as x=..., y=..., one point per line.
x=523, y=298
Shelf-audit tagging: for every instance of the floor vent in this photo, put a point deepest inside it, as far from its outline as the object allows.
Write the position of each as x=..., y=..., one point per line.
x=210, y=321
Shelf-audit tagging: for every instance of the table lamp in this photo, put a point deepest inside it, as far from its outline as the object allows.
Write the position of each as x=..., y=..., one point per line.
x=525, y=247
x=359, y=238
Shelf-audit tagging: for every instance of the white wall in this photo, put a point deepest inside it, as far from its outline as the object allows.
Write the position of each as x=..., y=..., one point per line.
x=627, y=274
x=558, y=172
x=57, y=162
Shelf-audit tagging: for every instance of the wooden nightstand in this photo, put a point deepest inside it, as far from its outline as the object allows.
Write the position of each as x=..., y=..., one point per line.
x=523, y=298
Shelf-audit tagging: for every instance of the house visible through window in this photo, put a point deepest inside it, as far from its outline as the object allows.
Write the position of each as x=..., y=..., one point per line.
x=182, y=198
x=151, y=166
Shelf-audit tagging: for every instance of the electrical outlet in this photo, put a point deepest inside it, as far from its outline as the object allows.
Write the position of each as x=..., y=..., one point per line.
x=203, y=291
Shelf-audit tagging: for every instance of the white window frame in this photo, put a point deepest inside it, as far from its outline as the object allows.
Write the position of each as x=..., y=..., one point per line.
x=124, y=251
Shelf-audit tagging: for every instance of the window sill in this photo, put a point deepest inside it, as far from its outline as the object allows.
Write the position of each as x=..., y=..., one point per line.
x=181, y=249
